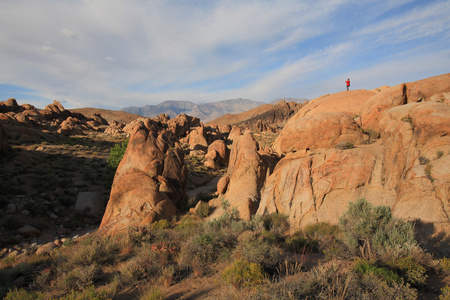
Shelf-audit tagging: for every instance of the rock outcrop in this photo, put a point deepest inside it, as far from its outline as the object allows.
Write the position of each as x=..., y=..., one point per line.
x=322, y=130
x=242, y=184
x=149, y=182
x=407, y=168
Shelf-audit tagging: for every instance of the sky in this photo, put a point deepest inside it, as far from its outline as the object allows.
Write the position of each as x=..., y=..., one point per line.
x=115, y=53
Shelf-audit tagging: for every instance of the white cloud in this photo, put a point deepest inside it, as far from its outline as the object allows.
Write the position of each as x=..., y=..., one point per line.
x=201, y=50
x=69, y=33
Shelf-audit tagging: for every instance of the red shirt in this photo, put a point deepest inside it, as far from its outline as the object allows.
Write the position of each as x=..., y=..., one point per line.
x=347, y=82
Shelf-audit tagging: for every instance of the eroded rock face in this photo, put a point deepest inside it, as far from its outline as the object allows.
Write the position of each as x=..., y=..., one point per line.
x=218, y=153
x=407, y=168
x=245, y=177
x=149, y=182
x=310, y=188
x=322, y=130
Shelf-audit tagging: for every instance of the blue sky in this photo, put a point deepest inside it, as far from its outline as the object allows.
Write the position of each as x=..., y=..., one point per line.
x=112, y=54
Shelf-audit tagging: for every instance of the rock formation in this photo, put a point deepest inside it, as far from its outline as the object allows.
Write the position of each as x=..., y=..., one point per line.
x=407, y=168
x=149, y=182
x=242, y=184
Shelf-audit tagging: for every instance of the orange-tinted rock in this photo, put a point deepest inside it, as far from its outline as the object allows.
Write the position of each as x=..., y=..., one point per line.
x=316, y=188
x=349, y=102
x=148, y=185
x=218, y=152
x=431, y=89
x=247, y=172
x=234, y=133
x=322, y=130
x=9, y=105
x=197, y=139
x=222, y=184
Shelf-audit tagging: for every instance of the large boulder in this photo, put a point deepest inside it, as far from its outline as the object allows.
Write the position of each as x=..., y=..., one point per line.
x=218, y=152
x=197, y=139
x=149, y=182
x=349, y=102
x=435, y=89
x=406, y=169
x=316, y=188
x=245, y=177
x=90, y=203
x=9, y=105
x=322, y=130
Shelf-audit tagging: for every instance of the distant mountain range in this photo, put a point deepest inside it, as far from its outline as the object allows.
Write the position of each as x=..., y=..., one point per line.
x=205, y=112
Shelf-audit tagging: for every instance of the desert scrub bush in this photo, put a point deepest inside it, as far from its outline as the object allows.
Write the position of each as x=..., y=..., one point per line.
x=152, y=293
x=160, y=225
x=364, y=266
x=298, y=243
x=372, y=232
x=204, y=249
x=88, y=251
x=444, y=265
x=78, y=277
x=276, y=223
x=243, y=273
x=87, y=293
x=132, y=271
x=344, y=146
x=261, y=248
x=226, y=220
x=188, y=225
x=22, y=294
x=331, y=280
x=202, y=210
x=413, y=272
x=445, y=293
x=323, y=234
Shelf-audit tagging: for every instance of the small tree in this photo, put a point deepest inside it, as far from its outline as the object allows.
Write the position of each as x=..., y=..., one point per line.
x=116, y=154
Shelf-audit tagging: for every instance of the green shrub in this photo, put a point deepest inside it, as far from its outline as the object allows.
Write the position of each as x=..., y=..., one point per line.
x=116, y=154
x=22, y=294
x=243, y=273
x=86, y=293
x=344, y=146
x=132, y=271
x=444, y=264
x=423, y=160
x=276, y=223
x=445, y=293
x=78, y=277
x=202, y=209
x=298, y=243
x=201, y=250
x=188, y=225
x=159, y=225
x=331, y=281
x=439, y=154
x=152, y=294
x=373, y=233
x=260, y=248
x=413, y=272
x=363, y=267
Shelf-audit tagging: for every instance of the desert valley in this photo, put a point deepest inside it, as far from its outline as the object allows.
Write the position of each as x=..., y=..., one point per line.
x=346, y=196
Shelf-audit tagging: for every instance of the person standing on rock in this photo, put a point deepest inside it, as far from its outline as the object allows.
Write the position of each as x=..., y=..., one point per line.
x=348, y=83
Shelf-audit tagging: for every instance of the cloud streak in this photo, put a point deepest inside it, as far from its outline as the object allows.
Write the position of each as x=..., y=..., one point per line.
x=119, y=53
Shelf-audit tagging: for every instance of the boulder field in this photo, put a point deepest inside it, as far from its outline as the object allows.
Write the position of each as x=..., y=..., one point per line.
x=389, y=145
x=399, y=156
